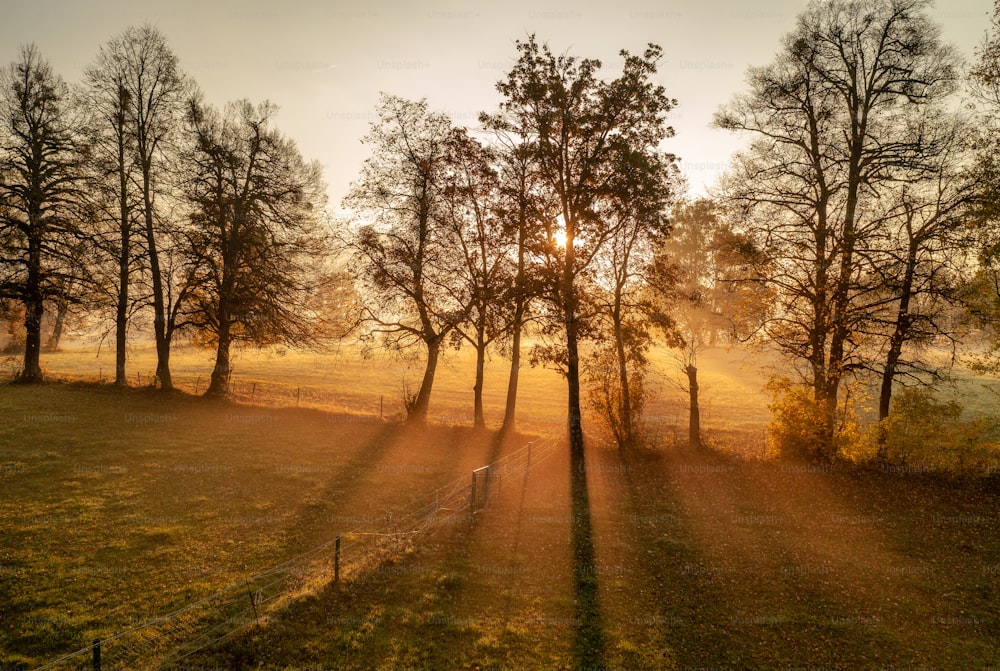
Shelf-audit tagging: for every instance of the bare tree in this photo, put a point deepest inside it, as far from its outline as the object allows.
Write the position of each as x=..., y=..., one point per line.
x=923, y=261
x=402, y=249
x=105, y=99
x=40, y=177
x=830, y=125
x=141, y=93
x=255, y=233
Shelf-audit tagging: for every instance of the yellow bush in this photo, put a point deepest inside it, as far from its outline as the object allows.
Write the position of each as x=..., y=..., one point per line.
x=927, y=433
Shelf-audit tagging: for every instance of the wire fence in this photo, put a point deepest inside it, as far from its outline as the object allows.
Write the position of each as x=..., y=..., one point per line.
x=166, y=641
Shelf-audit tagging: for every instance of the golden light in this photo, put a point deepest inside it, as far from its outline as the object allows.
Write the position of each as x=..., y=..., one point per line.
x=559, y=232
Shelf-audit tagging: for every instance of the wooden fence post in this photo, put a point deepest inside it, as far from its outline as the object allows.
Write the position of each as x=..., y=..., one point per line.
x=96, y=647
x=336, y=560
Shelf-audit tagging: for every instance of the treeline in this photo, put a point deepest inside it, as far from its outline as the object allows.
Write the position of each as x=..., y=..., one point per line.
x=855, y=230
x=126, y=196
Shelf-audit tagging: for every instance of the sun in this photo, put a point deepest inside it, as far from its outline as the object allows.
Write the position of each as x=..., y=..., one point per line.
x=559, y=232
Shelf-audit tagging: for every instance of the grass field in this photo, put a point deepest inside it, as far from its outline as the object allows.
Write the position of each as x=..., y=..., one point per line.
x=117, y=506
x=733, y=399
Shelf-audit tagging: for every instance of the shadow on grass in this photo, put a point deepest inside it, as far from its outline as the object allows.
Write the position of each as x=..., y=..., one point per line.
x=588, y=642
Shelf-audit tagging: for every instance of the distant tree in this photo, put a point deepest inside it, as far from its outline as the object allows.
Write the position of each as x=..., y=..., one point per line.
x=582, y=134
x=830, y=118
x=40, y=183
x=982, y=295
x=255, y=234
x=704, y=276
x=401, y=248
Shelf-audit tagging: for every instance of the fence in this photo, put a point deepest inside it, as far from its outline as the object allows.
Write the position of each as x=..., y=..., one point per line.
x=163, y=642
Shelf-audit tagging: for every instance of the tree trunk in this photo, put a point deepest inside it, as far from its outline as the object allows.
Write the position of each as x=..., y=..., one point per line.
x=574, y=414
x=62, y=308
x=32, y=371
x=219, y=385
x=159, y=297
x=479, y=416
x=626, y=401
x=418, y=412
x=125, y=230
x=33, y=310
x=510, y=409
x=694, y=410
x=900, y=334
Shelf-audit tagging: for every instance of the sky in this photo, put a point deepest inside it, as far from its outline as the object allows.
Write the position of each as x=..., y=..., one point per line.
x=324, y=62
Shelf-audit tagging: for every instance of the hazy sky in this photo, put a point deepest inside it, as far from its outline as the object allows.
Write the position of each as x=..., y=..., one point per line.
x=325, y=62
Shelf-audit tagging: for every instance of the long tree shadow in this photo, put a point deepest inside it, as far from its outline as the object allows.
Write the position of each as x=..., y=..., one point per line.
x=588, y=643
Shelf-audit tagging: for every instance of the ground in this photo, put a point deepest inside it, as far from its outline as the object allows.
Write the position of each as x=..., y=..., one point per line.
x=117, y=507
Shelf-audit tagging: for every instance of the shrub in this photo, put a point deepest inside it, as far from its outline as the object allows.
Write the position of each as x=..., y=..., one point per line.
x=797, y=425
x=925, y=432
x=606, y=398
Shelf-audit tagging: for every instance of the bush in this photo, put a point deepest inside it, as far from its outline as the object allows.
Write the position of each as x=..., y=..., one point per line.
x=797, y=428
x=925, y=432
x=606, y=398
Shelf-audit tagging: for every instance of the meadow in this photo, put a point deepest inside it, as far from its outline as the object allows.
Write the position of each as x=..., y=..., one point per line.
x=118, y=506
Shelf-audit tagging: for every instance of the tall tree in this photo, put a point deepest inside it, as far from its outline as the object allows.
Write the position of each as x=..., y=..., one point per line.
x=638, y=209
x=829, y=120
x=405, y=255
x=923, y=259
x=255, y=233
x=583, y=133
x=39, y=193
x=106, y=101
x=143, y=91
x=522, y=212
x=983, y=294
x=471, y=208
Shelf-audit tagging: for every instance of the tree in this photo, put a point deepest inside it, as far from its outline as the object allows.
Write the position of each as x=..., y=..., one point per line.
x=705, y=276
x=40, y=176
x=106, y=100
x=255, y=233
x=404, y=256
x=470, y=208
x=982, y=296
x=142, y=93
x=521, y=210
x=583, y=134
x=638, y=212
x=923, y=259
x=830, y=124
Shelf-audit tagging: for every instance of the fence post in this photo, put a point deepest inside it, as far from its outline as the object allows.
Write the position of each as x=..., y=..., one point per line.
x=472, y=500
x=336, y=560
x=253, y=391
x=96, y=647
x=298, y=390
